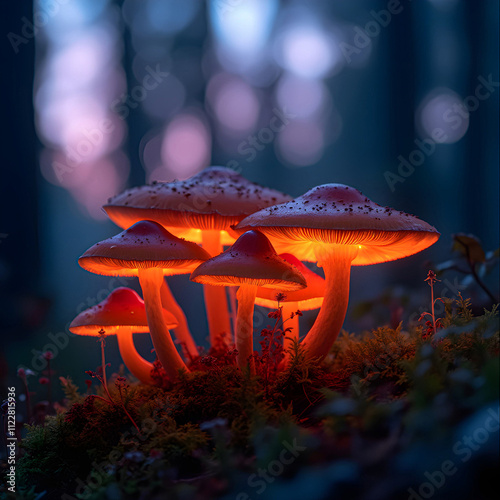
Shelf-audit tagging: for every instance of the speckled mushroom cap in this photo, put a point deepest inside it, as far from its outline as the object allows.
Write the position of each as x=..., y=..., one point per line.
x=341, y=215
x=308, y=298
x=145, y=244
x=215, y=198
x=252, y=260
x=123, y=308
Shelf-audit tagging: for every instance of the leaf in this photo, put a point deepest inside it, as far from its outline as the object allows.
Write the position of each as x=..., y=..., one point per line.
x=469, y=246
x=452, y=264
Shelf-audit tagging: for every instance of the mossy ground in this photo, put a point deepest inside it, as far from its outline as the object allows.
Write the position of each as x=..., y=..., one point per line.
x=383, y=410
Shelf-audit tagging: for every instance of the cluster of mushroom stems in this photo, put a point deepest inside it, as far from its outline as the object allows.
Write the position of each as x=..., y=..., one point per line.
x=182, y=227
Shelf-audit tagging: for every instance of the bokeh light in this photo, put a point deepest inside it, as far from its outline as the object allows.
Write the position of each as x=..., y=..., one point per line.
x=234, y=103
x=301, y=143
x=242, y=31
x=302, y=97
x=75, y=88
x=443, y=116
x=308, y=51
x=186, y=146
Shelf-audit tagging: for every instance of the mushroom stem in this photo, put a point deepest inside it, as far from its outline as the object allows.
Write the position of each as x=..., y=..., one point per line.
x=336, y=262
x=244, y=326
x=151, y=280
x=136, y=364
x=181, y=331
x=215, y=296
x=289, y=322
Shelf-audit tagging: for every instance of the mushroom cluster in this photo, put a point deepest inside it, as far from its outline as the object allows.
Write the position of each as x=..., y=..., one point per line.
x=181, y=227
x=202, y=209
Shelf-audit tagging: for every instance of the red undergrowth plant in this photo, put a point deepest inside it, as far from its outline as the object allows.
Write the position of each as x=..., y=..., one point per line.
x=270, y=359
x=121, y=385
x=433, y=325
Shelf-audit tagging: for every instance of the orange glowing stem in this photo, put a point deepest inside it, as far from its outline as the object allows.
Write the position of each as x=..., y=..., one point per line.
x=151, y=280
x=181, y=331
x=244, y=327
x=336, y=261
x=136, y=364
x=215, y=296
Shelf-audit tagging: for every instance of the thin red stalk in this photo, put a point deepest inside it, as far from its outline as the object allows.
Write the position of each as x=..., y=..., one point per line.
x=125, y=410
x=112, y=403
x=103, y=361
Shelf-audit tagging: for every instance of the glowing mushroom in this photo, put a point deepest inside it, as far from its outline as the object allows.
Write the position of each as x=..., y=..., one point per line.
x=337, y=226
x=201, y=209
x=251, y=262
x=148, y=251
x=122, y=313
x=306, y=299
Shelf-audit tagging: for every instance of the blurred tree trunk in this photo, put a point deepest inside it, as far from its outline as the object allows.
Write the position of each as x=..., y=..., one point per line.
x=19, y=245
x=137, y=125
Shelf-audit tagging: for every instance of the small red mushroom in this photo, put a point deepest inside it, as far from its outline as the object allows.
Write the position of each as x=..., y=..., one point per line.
x=122, y=313
x=149, y=251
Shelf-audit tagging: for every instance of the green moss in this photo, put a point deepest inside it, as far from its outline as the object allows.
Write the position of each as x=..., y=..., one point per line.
x=215, y=424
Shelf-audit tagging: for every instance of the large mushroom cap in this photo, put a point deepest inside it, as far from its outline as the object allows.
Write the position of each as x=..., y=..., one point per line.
x=342, y=215
x=253, y=261
x=308, y=298
x=122, y=308
x=146, y=244
x=215, y=198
